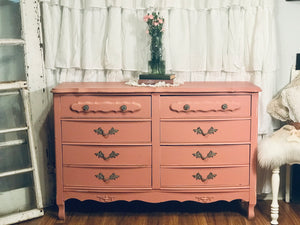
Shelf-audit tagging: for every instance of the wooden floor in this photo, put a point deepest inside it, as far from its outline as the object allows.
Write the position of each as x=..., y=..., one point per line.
x=169, y=213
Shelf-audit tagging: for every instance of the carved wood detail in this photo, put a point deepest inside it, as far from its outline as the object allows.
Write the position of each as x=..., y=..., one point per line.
x=105, y=198
x=204, y=199
x=106, y=107
x=204, y=106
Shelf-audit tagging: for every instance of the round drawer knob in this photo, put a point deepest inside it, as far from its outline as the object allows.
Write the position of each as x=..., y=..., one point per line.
x=224, y=106
x=123, y=108
x=186, y=107
x=85, y=108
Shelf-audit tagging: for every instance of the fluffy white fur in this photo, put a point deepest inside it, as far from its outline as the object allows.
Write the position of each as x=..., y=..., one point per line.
x=282, y=147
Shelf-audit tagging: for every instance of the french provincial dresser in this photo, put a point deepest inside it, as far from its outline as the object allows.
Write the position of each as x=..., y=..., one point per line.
x=194, y=142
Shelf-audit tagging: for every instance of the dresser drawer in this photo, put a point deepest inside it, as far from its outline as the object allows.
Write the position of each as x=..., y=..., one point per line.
x=102, y=178
x=106, y=106
x=106, y=155
x=186, y=177
x=205, y=155
x=106, y=132
x=205, y=106
x=205, y=131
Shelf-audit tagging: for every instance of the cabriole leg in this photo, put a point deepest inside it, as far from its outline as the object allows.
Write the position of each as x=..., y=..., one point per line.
x=61, y=211
x=251, y=213
x=275, y=189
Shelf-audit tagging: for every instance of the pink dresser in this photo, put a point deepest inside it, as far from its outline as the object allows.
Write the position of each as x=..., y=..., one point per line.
x=195, y=142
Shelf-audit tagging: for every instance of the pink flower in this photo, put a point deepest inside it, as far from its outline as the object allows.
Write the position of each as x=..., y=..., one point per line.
x=155, y=23
x=160, y=21
x=150, y=17
x=147, y=31
x=146, y=18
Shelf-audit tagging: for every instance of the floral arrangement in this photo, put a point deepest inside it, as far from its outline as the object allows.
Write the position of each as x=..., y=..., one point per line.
x=155, y=30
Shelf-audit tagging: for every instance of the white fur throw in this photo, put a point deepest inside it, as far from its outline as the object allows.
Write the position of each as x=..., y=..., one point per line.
x=282, y=147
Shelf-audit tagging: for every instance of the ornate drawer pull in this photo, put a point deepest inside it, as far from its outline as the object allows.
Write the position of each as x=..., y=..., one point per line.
x=200, y=131
x=100, y=154
x=100, y=131
x=198, y=154
x=85, y=108
x=224, y=106
x=186, y=107
x=113, y=176
x=210, y=176
x=123, y=108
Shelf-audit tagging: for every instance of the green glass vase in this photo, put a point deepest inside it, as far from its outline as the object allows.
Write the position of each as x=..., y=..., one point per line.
x=157, y=67
x=156, y=64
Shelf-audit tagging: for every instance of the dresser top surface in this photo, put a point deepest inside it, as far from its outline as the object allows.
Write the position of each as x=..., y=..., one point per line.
x=187, y=87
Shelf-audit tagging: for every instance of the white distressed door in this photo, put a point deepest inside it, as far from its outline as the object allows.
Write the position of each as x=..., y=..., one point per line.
x=20, y=192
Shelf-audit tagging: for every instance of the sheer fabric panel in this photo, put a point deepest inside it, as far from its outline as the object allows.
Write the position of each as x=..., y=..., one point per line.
x=214, y=35
x=204, y=40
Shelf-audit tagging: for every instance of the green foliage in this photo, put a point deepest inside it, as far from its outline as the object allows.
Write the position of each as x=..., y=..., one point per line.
x=155, y=30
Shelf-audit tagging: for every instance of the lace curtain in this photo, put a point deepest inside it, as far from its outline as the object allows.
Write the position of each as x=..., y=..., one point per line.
x=204, y=40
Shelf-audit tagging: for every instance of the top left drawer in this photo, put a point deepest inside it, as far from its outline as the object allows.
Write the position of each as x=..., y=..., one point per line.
x=90, y=106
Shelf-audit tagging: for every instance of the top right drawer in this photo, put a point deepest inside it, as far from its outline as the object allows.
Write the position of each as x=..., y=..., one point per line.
x=211, y=106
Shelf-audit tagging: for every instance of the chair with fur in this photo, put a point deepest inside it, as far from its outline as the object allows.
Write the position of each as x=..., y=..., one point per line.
x=283, y=146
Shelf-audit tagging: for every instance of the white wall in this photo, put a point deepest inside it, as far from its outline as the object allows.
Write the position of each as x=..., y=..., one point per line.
x=287, y=15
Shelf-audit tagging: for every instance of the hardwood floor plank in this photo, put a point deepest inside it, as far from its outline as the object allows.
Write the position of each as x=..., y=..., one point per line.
x=287, y=215
x=167, y=218
x=77, y=218
x=153, y=218
x=171, y=213
x=200, y=219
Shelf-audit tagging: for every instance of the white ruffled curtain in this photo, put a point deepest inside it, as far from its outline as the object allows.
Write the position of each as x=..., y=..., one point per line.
x=204, y=40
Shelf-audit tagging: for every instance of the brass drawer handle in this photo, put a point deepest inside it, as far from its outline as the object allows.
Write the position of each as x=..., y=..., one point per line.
x=100, y=154
x=198, y=154
x=100, y=131
x=210, y=176
x=224, y=106
x=123, y=108
x=186, y=107
x=200, y=131
x=85, y=108
x=113, y=176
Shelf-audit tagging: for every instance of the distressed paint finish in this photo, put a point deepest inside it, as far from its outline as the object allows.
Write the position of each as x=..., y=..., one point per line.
x=226, y=169
x=223, y=177
x=189, y=155
x=186, y=131
x=125, y=132
x=28, y=214
x=107, y=106
x=89, y=155
x=34, y=97
x=206, y=106
x=126, y=177
x=39, y=102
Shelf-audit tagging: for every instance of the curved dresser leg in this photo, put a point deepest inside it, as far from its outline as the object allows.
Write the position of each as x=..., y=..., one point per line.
x=61, y=211
x=251, y=213
x=275, y=189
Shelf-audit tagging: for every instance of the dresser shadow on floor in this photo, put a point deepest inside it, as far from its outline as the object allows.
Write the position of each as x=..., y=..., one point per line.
x=88, y=206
